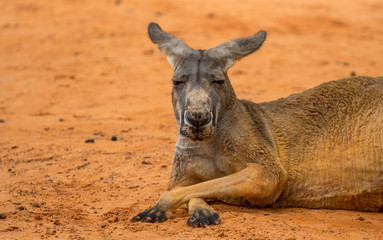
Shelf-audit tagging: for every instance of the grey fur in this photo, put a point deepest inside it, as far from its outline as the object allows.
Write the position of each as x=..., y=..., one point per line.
x=322, y=148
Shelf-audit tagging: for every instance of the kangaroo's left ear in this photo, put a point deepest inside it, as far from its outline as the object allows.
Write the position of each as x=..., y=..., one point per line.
x=167, y=43
x=236, y=49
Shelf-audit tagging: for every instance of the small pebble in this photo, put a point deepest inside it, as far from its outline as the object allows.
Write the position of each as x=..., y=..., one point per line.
x=2, y=121
x=17, y=203
x=211, y=15
x=353, y=74
x=146, y=162
x=21, y=208
x=61, y=120
x=9, y=169
x=361, y=218
x=103, y=226
x=158, y=14
x=90, y=140
x=3, y=216
x=114, y=138
x=36, y=205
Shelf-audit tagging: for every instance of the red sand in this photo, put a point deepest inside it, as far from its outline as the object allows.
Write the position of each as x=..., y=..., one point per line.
x=71, y=70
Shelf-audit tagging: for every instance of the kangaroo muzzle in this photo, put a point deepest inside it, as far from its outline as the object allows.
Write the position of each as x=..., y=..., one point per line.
x=197, y=119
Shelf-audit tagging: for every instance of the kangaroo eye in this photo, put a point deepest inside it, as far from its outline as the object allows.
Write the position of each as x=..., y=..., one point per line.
x=177, y=82
x=220, y=82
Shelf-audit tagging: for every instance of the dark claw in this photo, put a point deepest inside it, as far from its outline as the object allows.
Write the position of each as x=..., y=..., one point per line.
x=203, y=218
x=153, y=214
x=204, y=221
x=189, y=222
x=214, y=219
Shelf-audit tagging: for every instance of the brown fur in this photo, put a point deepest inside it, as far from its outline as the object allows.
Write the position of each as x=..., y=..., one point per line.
x=321, y=148
x=330, y=139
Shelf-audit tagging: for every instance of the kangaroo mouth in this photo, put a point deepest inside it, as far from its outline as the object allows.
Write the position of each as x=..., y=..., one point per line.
x=196, y=133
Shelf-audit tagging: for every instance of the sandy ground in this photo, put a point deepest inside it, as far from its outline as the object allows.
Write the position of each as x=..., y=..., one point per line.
x=72, y=70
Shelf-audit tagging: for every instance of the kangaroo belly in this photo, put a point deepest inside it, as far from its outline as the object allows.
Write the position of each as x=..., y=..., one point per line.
x=343, y=169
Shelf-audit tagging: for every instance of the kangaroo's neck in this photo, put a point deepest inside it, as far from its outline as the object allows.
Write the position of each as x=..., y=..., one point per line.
x=244, y=123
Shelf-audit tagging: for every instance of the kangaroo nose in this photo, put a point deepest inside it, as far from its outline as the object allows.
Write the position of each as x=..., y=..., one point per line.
x=197, y=119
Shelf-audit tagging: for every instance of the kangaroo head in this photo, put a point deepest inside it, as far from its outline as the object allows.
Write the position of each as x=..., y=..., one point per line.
x=202, y=92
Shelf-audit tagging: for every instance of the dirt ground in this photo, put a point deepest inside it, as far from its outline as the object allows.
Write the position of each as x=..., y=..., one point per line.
x=72, y=70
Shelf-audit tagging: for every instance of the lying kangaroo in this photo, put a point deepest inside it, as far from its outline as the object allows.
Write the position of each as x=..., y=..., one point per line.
x=322, y=148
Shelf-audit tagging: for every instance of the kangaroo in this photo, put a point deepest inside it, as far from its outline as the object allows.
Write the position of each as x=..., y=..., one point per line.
x=321, y=148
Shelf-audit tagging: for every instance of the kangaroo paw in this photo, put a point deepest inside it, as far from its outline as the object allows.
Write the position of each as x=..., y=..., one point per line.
x=202, y=218
x=153, y=214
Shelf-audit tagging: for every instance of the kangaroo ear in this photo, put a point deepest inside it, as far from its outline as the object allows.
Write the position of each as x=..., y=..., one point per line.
x=236, y=49
x=167, y=43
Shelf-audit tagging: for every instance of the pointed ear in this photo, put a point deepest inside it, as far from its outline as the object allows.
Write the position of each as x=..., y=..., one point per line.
x=167, y=43
x=236, y=49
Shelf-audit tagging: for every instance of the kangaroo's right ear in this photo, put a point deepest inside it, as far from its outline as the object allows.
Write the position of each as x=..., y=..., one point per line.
x=167, y=43
x=236, y=49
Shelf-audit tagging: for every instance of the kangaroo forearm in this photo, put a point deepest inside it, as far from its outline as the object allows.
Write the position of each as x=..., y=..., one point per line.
x=250, y=182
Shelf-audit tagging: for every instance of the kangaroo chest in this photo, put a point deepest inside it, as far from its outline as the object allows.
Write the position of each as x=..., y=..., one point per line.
x=196, y=162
